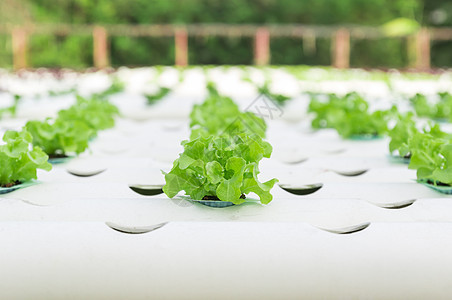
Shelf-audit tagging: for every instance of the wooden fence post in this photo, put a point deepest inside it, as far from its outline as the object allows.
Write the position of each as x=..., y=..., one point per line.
x=341, y=49
x=181, y=46
x=423, y=49
x=100, y=44
x=262, y=47
x=19, y=44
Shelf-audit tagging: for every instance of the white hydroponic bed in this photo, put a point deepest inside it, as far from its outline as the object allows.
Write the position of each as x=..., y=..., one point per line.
x=57, y=237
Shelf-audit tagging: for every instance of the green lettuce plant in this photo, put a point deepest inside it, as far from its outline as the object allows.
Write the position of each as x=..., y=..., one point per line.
x=405, y=128
x=220, y=167
x=71, y=131
x=400, y=134
x=219, y=114
x=442, y=110
x=444, y=106
x=60, y=137
x=116, y=86
x=19, y=159
x=212, y=89
x=278, y=98
x=432, y=158
x=327, y=113
x=11, y=110
x=96, y=114
x=356, y=124
x=158, y=95
x=349, y=115
x=54, y=93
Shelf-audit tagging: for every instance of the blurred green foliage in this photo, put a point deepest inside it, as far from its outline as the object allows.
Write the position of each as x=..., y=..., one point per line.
x=76, y=51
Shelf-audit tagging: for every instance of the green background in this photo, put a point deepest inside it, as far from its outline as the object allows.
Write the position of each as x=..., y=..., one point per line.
x=76, y=51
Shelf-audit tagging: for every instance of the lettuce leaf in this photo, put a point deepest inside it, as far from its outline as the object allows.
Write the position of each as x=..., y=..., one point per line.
x=220, y=115
x=116, y=86
x=97, y=114
x=19, y=160
x=400, y=133
x=71, y=131
x=441, y=110
x=11, y=110
x=161, y=93
x=405, y=129
x=431, y=157
x=349, y=115
x=280, y=99
x=60, y=137
x=223, y=166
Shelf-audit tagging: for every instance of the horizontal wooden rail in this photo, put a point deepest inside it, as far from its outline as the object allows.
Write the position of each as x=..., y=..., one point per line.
x=199, y=30
x=339, y=35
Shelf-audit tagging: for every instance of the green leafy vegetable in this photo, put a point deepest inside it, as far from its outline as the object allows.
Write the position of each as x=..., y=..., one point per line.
x=362, y=124
x=327, y=113
x=278, y=98
x=60, y=137
x=218, y=115
x=445, y=106
x=400, y=134
x=405, y=128
x=221, y=166
x=11, y=110
x=97, y=114
x=442, y=110
x=431, y=157
x=116, y=86
x=160, y=94
x=62, y=92
x=349, y=115
x=74, y=127
x=421, y=106
x=19, y=163
x=212, y=89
